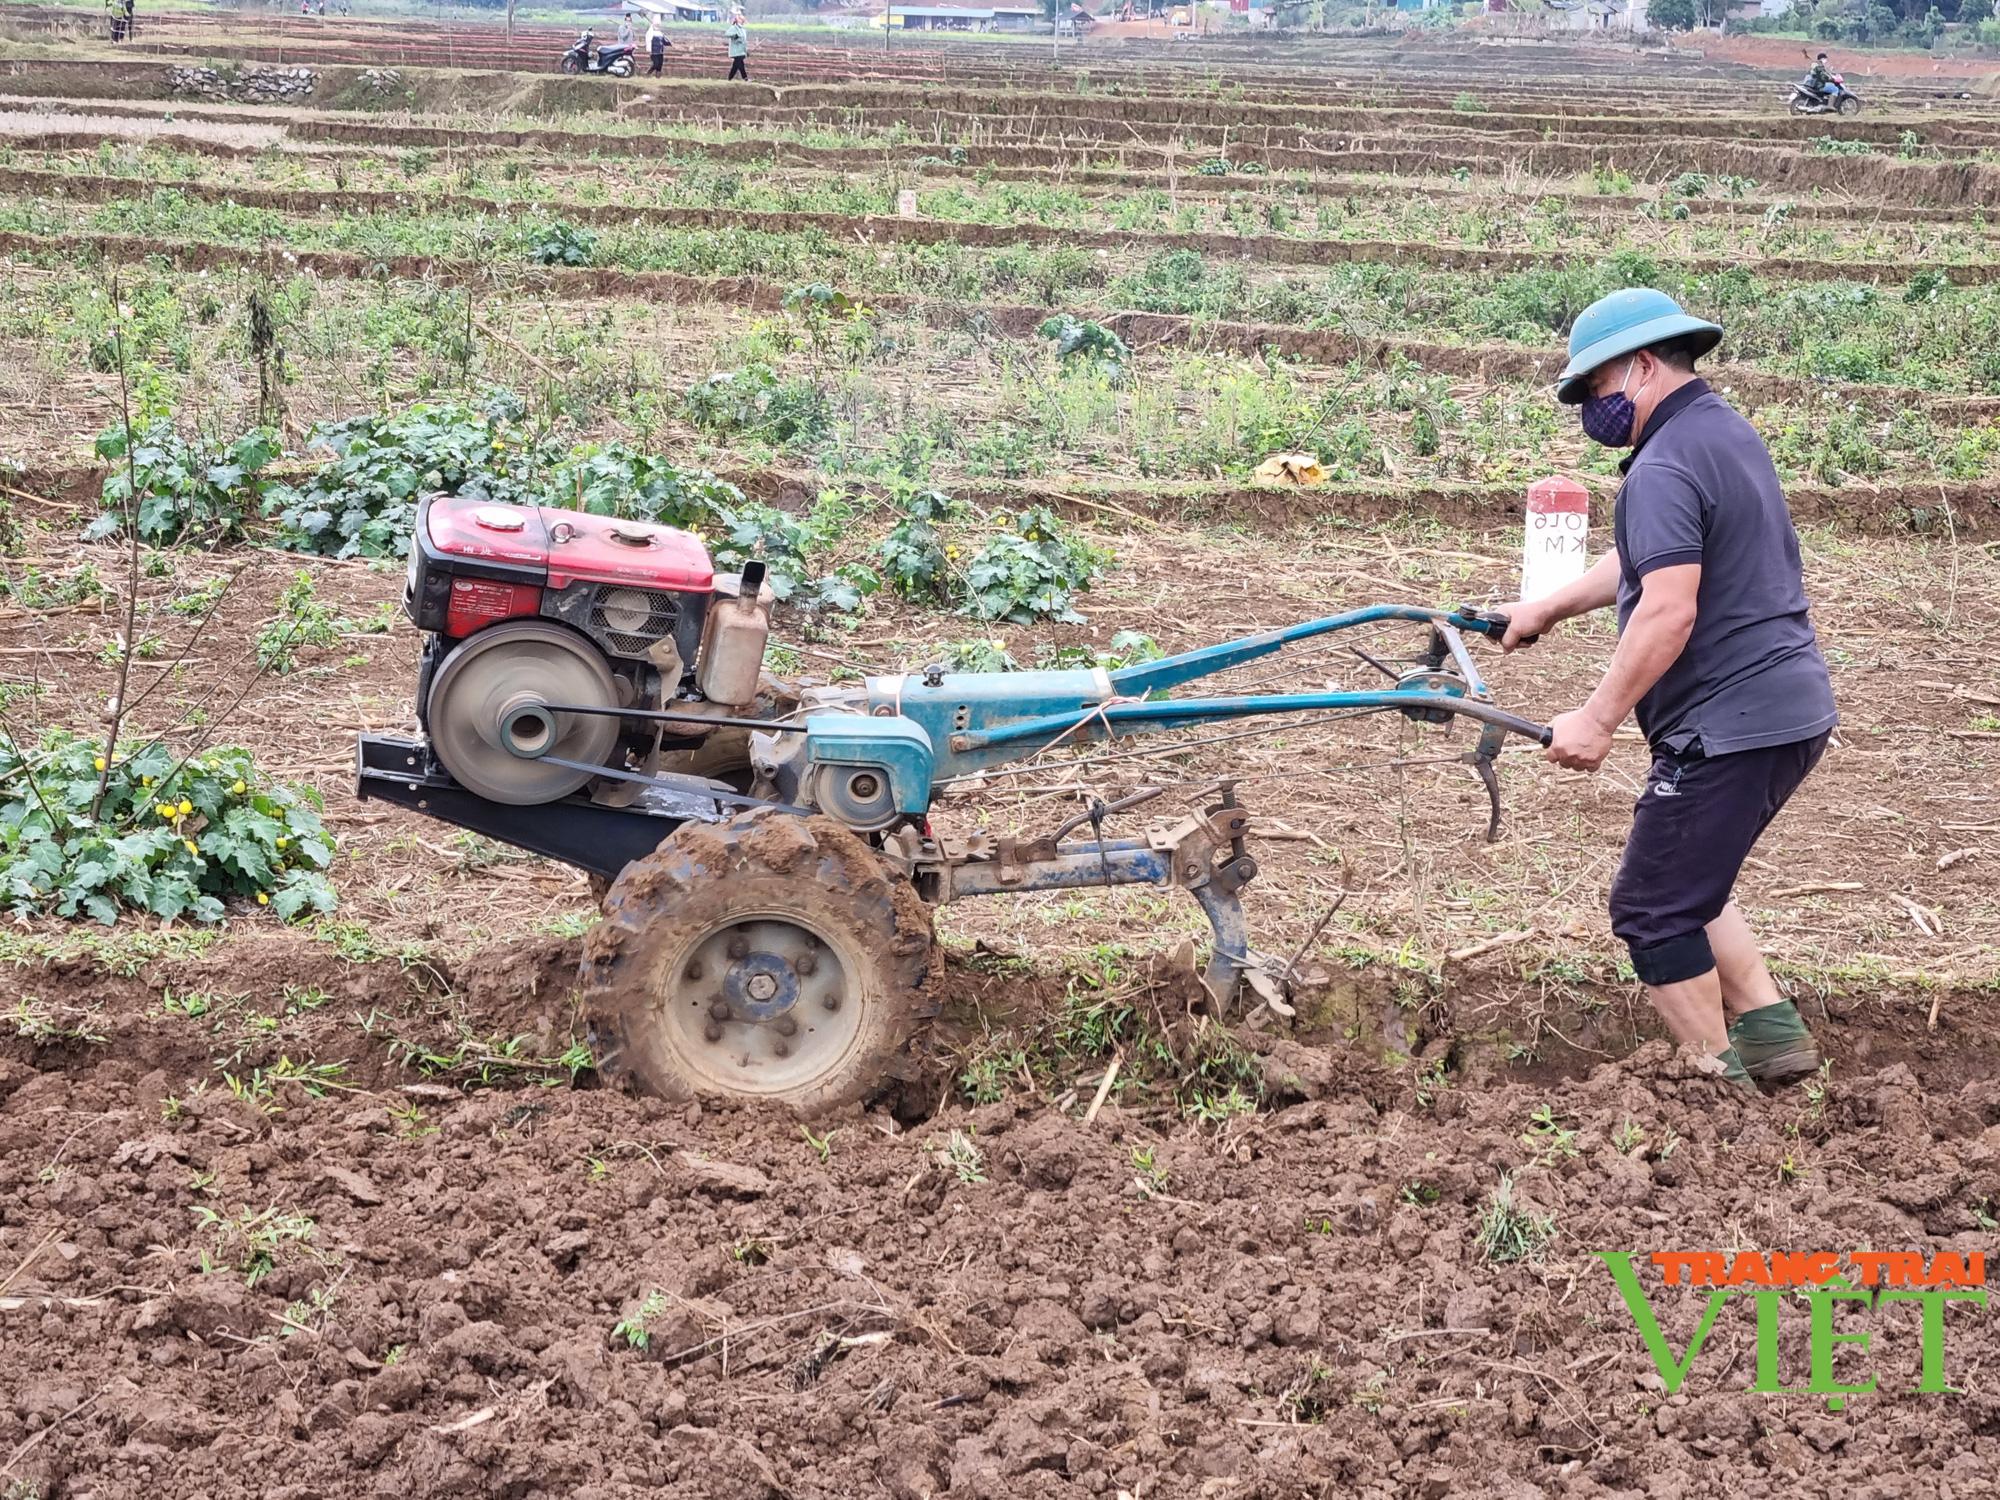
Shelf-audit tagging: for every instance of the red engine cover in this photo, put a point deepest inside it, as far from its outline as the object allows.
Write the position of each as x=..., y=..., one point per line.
x=571, y=545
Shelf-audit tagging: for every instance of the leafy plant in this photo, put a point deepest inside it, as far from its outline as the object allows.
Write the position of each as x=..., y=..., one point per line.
x=253, y=1241
x=364, y=502
x=172, y=840
x=757, y=402
x=1467, y=104
x=1086, y=342
x=188, y=490
x=963, y=1158
x=635, y=1328
x=913, y=555
x=561, y=244
x=1031, y=571
x=609, y=479
x=32, y=590
x=303, y=619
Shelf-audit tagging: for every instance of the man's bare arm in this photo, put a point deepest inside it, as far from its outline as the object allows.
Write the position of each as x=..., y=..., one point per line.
x=1653, y=640
x=1595, y=590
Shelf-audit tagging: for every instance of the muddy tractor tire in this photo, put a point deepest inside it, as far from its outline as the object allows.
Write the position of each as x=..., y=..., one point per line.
x=769, y=957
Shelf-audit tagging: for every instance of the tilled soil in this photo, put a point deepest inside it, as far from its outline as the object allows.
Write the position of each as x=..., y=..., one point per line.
x=999, y=1301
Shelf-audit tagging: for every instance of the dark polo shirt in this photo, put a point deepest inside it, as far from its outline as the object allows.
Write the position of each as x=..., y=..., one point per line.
x=1700, y=488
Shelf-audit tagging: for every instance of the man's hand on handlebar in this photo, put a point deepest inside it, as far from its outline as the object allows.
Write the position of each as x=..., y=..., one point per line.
x=1527, y=621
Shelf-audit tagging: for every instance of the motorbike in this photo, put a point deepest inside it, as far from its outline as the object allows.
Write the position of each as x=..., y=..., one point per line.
x=617, y=61
x=1838, y=99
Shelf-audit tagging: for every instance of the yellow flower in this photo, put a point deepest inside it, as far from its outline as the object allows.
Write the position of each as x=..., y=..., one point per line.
x=186, y=807
x=99, y=763
x=189, y=845
x=263, y=898
x=951, y=552
x=237, y=789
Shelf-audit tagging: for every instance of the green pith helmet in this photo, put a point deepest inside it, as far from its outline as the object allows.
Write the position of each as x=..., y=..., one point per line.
x=1619, y=323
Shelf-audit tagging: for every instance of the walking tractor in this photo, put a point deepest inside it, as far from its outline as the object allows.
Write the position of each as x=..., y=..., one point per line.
x=591, y=689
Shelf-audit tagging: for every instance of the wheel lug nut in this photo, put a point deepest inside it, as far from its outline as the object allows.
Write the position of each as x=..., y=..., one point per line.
x=694, y=970
x=719, y=1010
x=786, y=1026
x=781, y=1048
x=713, y=1031
x=739, y=945
x=831, y=1000
x=805, y=963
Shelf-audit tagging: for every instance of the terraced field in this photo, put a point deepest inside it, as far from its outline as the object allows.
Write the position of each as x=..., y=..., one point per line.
x=985, y=356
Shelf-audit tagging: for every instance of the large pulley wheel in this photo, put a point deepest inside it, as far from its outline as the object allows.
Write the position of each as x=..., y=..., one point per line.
x=769, y=957
x=485, y=719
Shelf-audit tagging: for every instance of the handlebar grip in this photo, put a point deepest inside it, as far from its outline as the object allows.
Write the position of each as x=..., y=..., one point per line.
x=1541, y=734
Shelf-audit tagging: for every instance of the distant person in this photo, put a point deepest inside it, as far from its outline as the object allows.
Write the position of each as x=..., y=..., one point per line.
x=625, y=32
x=739, y=47
x=1820, y=79
x=656, y=46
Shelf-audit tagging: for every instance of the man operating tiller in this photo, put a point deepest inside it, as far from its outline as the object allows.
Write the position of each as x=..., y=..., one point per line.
x=1717, y=658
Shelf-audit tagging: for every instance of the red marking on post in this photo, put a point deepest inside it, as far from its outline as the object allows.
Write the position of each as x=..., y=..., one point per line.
x=1556, y=495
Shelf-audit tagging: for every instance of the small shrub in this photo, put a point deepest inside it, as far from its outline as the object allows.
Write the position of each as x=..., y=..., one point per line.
x=364, y=502
x=1468, y=104
x=756, y=401
x=609, y=479
x=189, y=490
x=1927, y=285
x=303, y=619
x=561, y=244
x=1031, y=572
x=913, y=555
x=1085, y=342
x=170, y=842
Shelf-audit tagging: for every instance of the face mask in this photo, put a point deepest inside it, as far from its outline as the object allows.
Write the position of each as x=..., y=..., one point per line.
x=1609, y=419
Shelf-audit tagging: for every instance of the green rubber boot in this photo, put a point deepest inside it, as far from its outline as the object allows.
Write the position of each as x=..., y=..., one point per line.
x=1774, y=1044
x=1734, y=1074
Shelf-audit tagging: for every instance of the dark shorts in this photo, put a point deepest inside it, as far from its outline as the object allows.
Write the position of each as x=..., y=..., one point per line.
x=1693, y=826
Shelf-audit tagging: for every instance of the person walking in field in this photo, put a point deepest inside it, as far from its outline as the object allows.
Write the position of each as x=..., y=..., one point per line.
x=656, y=46
x=739, y=47
x=1716, y=656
